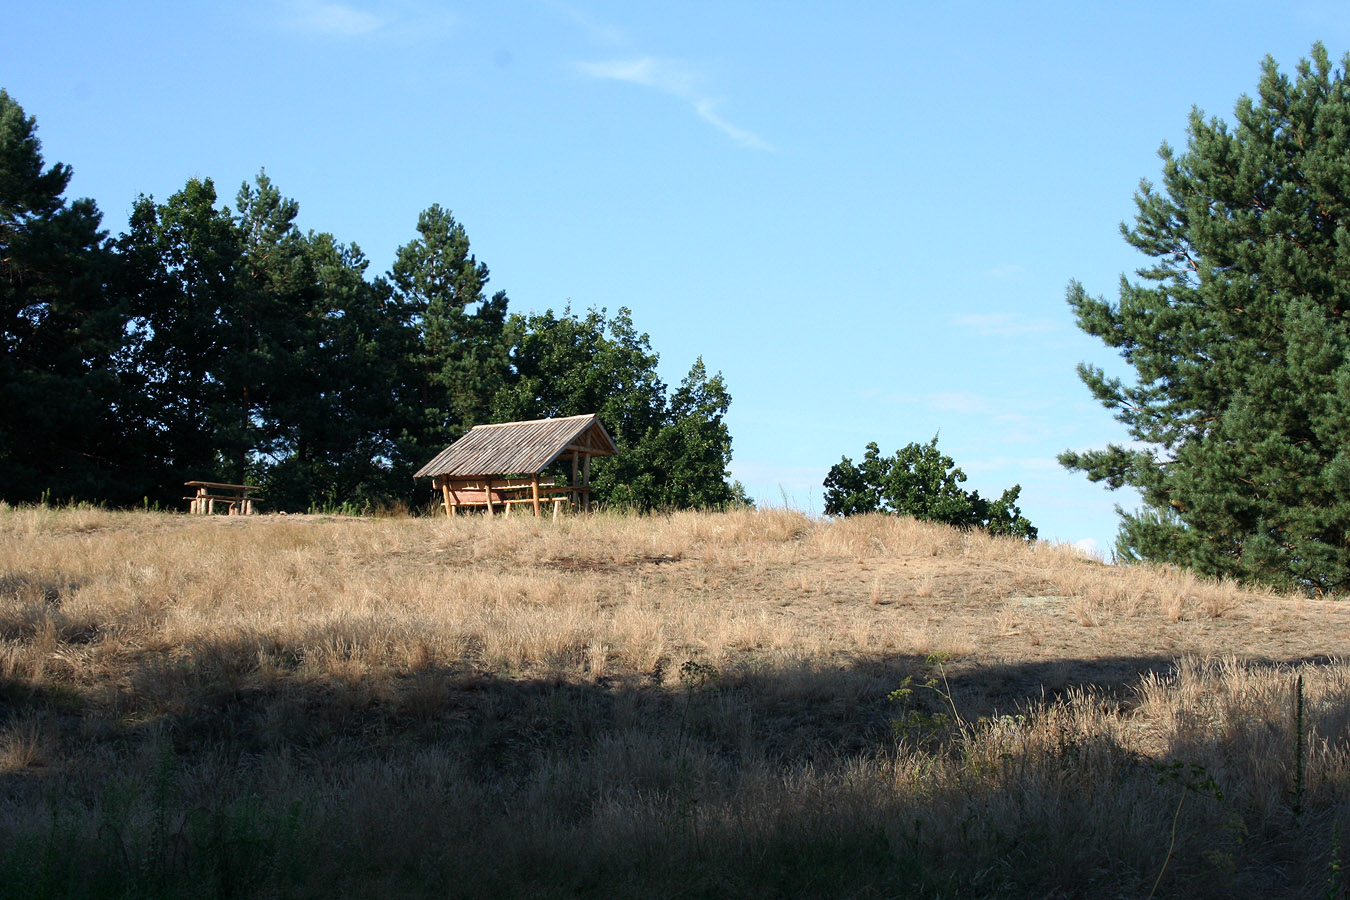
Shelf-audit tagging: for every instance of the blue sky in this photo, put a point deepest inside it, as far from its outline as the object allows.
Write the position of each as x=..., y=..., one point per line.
x=865, y=217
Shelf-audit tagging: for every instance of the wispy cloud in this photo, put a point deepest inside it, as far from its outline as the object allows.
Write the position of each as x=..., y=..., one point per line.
x=1037, y=432
x=1010, y=418
x=1005, y=324
x=333, y=19
x=598, y=31
x=679, y=80
x=959, y=402
x=707, y=110
x=664, y=75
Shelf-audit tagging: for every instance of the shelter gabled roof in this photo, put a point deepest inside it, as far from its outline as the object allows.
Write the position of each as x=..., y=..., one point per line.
x=519, y=448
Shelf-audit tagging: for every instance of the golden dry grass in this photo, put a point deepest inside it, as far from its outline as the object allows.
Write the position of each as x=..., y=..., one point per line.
x=506, y=702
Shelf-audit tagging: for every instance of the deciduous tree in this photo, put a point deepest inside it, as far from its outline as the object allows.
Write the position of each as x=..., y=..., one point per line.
x=673, y=450
x=920, y=481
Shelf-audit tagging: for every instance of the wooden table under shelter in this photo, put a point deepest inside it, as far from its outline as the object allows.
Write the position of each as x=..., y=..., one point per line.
x=235, y=497
x=501, y=466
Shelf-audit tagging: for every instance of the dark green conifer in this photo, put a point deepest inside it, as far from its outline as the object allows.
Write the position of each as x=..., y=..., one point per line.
x=1239, y=414
x=181, y=266
x=339, y=433
x=459, y=358
x=60, y=333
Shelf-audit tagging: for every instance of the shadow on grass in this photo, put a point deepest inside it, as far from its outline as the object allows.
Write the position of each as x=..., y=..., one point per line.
x=209, y=773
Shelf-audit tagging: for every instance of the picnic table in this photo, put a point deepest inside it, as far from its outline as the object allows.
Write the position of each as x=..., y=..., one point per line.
x=504, y=493
x=208, y=493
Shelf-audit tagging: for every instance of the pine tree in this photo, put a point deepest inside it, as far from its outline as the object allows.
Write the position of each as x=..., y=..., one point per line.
x=1239, y=412
x=274, y=375
x=180, y=268
x=60, y=333
x=458, y=359
x=344, y=448
x=262, y=353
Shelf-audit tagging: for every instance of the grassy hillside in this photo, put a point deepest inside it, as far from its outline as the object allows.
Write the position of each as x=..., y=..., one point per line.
x=701, y=705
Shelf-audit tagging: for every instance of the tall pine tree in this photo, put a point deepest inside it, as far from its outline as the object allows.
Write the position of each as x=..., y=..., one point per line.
x=457, y=358
x=180, y=268
x=1239, y=413
x=61, y=331
x=342, y=430
x=274, y=375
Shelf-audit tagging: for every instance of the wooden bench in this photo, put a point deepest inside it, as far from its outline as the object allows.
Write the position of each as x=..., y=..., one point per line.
x=504, y=493
x=558, y=503
x=235, y=497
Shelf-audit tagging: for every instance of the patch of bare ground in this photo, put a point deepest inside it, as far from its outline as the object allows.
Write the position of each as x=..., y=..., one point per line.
x=736, y=704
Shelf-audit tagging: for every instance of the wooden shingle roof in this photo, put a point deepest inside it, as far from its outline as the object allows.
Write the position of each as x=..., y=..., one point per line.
x=519, y=448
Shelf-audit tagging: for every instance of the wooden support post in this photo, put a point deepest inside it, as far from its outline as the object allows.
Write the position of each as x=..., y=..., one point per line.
x=574, y=496
x=534, y=491
x=488, y=492
x=451, y=508
x=586, y=480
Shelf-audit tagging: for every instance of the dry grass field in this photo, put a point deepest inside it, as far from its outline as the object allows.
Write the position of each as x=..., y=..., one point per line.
x=748, y=704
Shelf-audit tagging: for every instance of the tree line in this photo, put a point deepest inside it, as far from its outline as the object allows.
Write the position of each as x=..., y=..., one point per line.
x=210, y=343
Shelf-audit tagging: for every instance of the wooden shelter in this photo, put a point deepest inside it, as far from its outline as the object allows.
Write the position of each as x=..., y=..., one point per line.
x=502, y=465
